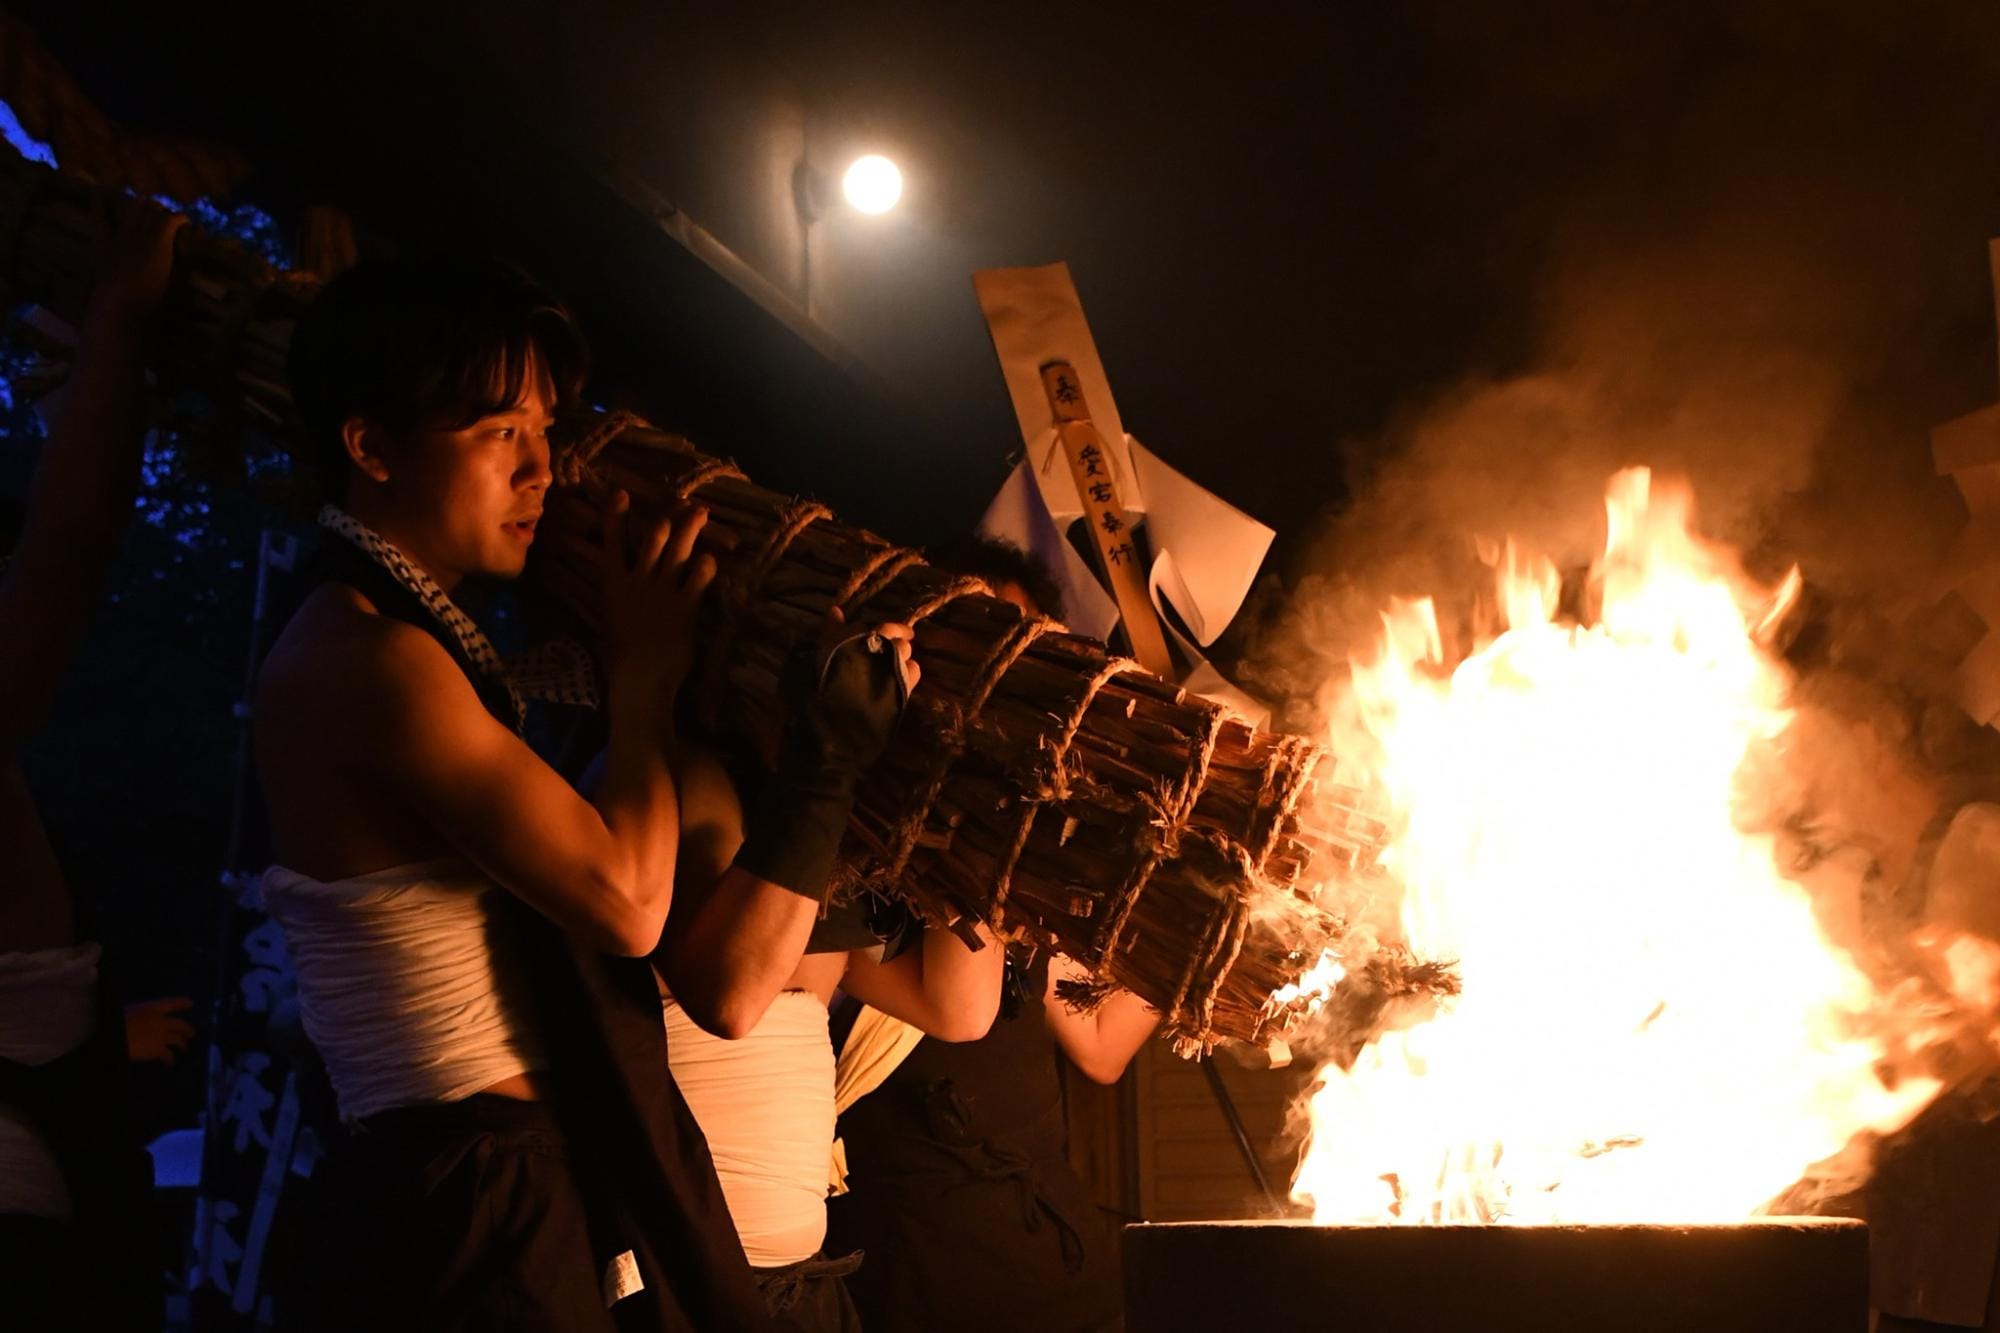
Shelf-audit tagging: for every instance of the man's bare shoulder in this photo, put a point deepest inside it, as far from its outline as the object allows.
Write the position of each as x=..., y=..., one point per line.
x=337, y=650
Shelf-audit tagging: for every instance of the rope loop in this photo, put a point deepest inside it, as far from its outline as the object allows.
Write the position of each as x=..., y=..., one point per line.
x=574, y=467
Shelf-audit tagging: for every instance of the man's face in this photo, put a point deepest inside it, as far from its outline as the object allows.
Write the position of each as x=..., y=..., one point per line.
x=468, y=500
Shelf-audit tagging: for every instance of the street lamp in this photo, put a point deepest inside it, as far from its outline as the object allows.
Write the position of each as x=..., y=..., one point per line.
x=872, y=184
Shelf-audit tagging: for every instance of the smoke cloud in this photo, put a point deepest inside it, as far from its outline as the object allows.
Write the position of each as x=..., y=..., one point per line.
x=1752, y=248
x=1751, y=242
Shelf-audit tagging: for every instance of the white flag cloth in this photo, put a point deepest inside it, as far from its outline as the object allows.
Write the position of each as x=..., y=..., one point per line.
x=1206, y=552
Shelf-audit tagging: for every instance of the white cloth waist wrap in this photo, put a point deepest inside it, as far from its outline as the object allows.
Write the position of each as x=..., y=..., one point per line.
x=876, y=1047
x=397, y=984
x=765, y=1104
x=46, y=1011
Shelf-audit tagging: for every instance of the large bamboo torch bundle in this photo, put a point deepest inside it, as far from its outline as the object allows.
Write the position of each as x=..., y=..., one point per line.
x=1040, y=782
x=226, y=325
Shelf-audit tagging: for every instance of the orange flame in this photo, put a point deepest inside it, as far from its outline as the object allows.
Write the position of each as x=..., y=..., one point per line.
x=1652, y=1026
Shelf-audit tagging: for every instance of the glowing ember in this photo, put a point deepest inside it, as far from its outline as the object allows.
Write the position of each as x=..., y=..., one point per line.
x=1315, y=986
x=1652, y=1026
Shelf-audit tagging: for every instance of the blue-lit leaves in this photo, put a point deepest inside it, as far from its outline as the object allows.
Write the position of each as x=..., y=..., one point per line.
x=27, y=145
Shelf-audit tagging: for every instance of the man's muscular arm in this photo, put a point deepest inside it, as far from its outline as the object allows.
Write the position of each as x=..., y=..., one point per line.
x=89, y=471
x=752, y=881
x=736, y=938
x=1102, y=1042
x=398, y=713
x=78, y=505
x=944, y=988
x=411, y=722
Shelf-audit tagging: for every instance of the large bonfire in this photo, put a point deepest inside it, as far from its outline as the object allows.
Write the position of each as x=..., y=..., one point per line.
x=1653, y=1026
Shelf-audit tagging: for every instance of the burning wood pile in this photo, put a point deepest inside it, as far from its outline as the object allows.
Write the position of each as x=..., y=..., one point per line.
x=1042, y=783
x=1653, y=875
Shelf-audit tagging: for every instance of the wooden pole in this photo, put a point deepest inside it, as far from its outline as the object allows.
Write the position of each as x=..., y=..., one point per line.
x=1104, y=512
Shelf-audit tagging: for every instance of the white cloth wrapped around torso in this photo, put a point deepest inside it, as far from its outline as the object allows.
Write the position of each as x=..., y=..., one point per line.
x=765, y=1104
x=398, y=986
x=47, y=1005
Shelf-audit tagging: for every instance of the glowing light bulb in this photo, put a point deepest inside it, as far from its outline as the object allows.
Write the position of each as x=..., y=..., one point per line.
x=872, y=184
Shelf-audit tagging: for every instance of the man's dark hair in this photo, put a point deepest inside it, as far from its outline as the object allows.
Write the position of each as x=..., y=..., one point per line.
x=425, y=344
x=1000, y=561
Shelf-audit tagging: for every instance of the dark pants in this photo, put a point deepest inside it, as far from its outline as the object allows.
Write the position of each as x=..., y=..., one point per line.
x=462, y=1216
x=42, y=1272
x=811, y=1296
